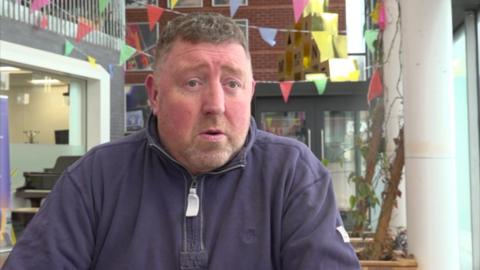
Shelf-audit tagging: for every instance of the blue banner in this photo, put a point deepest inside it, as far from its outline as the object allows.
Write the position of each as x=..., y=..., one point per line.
x=4, y=154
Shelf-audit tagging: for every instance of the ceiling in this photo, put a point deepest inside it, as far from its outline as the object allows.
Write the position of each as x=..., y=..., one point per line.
x=458, y=10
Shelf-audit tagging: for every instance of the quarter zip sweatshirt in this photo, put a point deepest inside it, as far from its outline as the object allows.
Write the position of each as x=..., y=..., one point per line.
x=129, y=205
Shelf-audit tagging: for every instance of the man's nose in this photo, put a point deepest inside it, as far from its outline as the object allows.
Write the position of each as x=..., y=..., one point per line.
x=213, y=99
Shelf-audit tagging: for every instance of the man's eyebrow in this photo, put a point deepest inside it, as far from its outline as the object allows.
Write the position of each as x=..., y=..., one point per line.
x=232, y=70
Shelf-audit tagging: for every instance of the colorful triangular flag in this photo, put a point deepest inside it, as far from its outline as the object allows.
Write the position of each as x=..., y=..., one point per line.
x=125, y=53
x=38, y=4
x=82, y=30
x=298, y=7
x=102, y=5
x=68, y=48
x=154, y=13
x=375, y=88
x=324, y=41
x=286, y=88
x=382, y=17
x=268, y=35
x=44, y=22
x=111, y=70
x=370, y=37
x=173, y=3
x=320, y=81
x=92, y=61
x=234, y=5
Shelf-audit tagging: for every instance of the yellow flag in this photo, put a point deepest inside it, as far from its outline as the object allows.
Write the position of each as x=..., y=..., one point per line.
x=330, y=22
x=92, y=61
x=340, y=43
x=314, y=7
x=324, y=43
x=173, y=3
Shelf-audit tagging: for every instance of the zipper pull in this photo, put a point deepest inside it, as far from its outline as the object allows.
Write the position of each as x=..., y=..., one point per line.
x=193, y=201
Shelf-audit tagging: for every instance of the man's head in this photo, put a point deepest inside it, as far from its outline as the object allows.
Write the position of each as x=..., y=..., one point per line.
x=201, y=90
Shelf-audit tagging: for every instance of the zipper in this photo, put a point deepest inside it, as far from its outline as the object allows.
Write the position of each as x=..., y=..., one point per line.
x=193, y=201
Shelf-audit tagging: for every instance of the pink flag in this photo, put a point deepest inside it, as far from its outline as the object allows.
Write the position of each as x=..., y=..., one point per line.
x=382, y=17
x=298, y=7
x=82, y=30
x=286, y=88
x=154, y=13
x=38, y=4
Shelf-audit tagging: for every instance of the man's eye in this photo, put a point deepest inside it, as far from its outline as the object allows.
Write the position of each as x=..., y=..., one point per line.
x=193, y=83
x=233, y=84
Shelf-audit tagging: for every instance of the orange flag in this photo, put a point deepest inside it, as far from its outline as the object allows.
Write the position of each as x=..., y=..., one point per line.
x=154, y=13
x=286, y=88
x=44, y=22
x=82, y=30
x=375, y=88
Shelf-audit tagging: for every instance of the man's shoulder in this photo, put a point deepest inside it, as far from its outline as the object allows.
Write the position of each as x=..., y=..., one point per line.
x=271, y=141
x=120, y=149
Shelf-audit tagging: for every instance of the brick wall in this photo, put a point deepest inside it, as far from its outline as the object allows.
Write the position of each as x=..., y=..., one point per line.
x=262, y=13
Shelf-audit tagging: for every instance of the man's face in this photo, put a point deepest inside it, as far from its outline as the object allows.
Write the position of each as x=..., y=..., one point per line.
x=201, y=96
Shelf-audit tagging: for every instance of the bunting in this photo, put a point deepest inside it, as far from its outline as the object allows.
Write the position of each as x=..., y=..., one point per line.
x=173, y=3
x=324, y=41
x=68, y=48
x=44, y=22
x=125, y=53
x=102, y=5
x=83, y=29
x=371, y=37
x=154, y=13
x=286, y=88
x=38, y=4
x=375, y=88
x=320, y=81
x=268, y=35
x=234, y=5
x=298, y=7
x=92, y=61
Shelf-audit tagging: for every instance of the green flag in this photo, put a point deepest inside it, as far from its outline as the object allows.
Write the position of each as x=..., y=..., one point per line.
x=68, y=48
x=320, y=81
x=125, y=53
x=370, y=37
x=102, y=4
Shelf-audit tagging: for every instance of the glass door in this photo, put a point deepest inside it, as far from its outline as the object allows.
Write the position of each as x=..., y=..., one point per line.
x=341, y=134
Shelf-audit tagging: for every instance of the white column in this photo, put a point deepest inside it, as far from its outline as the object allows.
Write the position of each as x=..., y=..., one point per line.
x=429, y=133
x=392, y=78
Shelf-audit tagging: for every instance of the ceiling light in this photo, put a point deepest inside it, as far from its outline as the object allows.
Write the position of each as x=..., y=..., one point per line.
x=45, y=81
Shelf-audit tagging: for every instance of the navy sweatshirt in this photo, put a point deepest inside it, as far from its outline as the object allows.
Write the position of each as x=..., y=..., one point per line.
x=129, y=205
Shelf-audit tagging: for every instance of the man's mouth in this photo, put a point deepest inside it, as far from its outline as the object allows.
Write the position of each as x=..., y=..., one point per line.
x=212, y=135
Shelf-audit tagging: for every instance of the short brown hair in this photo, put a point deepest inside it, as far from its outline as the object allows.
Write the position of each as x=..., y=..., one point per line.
x=197, y=28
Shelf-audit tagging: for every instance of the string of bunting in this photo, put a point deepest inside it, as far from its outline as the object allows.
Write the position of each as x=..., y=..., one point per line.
x=268, y=34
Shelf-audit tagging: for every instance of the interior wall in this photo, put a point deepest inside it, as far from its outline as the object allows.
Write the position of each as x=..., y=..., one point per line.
x=45, y=112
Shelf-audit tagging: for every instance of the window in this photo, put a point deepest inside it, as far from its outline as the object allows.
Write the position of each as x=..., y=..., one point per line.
x=186, y=3
x=136, y=107
x=141, y=38
x=139, y=3
x=243, y=23
x=222, y=3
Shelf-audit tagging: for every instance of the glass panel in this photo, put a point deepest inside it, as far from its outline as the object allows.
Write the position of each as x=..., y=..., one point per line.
x=342, y=129
x=463, y=148
x=141, y=38
x=243, y=23
x=187, y=3
x=288, y=124
x=137, y=109
x=139, y=3
x=227, y=2
x=46, y=115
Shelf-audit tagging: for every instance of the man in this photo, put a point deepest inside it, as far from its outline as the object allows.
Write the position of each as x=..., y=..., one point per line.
x=201, y=187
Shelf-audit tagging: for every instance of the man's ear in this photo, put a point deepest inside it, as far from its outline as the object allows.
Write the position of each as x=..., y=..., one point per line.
x=254, y=83
x=152, y=92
